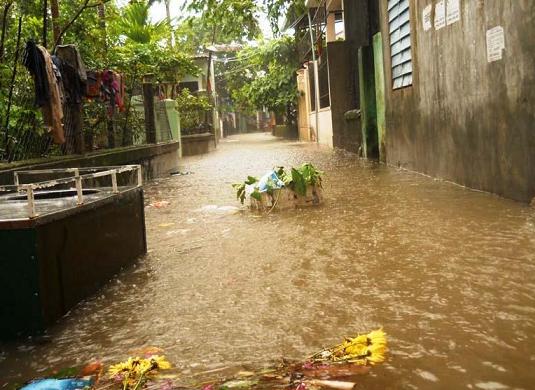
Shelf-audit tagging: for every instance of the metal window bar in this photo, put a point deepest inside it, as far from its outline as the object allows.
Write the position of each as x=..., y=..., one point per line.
x=93, y=172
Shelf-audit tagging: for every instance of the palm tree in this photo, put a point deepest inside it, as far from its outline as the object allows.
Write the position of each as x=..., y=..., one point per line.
x=136, y=25
x=168, y=13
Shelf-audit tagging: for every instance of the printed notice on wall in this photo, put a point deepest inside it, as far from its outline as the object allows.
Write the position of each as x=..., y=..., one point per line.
x=440, y=15
x=495, y=43
x=426, y=17
x=453, y=11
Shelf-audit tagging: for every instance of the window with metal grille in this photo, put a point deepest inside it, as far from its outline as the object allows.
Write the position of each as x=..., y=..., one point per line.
x=400, y=42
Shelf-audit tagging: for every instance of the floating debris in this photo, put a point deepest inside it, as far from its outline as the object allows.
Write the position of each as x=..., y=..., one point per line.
x=58, y=384
x=178, y=173
x=212, y=208
x=332, y=368
x=165, y=225
x=135, y=372
x=302, y=186
x=160, y=204
x=366, y=349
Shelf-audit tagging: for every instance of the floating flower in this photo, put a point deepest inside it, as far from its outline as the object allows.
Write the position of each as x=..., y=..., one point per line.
x=120, y=368
x=159, y=363
x=135, y=371
x=367, y=349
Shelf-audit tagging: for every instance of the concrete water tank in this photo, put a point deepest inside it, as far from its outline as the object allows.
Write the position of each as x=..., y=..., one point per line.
x=61, y=242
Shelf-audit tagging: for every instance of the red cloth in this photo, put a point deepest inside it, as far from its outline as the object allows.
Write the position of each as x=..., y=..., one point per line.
x=94, y=84
x=113, y=85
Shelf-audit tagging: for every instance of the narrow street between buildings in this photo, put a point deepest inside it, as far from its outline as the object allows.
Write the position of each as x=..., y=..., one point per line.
x=447, y=272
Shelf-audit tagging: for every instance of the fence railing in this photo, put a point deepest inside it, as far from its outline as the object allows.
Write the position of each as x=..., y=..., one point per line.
x=79, y=175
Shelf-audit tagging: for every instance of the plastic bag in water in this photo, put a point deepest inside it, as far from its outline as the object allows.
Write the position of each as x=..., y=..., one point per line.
x=58, y=384
x=270, y=176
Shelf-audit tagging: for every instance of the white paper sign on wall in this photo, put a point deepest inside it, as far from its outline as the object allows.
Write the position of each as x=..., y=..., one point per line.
x=440, y=15
x=495, y=43
x=453, y=11
x=426, y=17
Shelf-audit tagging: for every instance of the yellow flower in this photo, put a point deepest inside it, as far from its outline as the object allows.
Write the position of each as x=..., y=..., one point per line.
x=136, y=368
x=160, y=363
x=124, y=367
x=118, y=369
x=363, y=349
x=376, y=353
x=377, y=337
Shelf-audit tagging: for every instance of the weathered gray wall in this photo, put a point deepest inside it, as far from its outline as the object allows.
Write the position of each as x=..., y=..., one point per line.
x=193, y=145
x=156, y=160
x=357, y=33
x=465, y=119
x=341, y=92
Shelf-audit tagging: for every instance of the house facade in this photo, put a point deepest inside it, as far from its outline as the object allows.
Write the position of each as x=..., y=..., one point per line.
x=204, y=83
x=441, y=87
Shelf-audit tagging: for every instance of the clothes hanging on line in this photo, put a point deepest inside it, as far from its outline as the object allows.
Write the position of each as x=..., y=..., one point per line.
x=48, y=91
x=53, y=110
x=74, y=74
x=94, y=85
x=34, y=61
x=113, y=90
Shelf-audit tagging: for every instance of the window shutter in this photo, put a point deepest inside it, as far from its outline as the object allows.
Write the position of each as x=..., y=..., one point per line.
x=400, y=42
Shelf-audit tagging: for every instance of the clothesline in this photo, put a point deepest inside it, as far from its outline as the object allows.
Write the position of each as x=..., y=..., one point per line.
x=61, y=81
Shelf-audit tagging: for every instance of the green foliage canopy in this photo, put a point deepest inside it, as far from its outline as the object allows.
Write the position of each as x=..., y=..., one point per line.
x=227, y=20
x=264, y=76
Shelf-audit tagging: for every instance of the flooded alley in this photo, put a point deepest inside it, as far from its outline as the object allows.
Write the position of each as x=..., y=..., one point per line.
x=449, y=273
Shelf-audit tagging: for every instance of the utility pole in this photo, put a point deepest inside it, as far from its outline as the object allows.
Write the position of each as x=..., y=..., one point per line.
x=168, y=14
x=316, y=77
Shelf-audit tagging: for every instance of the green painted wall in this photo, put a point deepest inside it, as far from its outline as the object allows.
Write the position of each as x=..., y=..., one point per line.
x=368, y=109
x=380, y=94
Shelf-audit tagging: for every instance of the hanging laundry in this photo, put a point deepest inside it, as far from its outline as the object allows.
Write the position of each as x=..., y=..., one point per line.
x=113, y=90
x=94, y=85
x=74, y=73
x=34, y=61
x=48, y=94
x=53, y=110
x=71, y=55
x=56, y=65
x=120, y=92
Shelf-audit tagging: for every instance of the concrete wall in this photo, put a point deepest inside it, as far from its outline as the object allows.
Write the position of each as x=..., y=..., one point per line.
x=157, y=160
x=325, y=126
x=193, y=145
x=303, y=106
x=341, y=93
x=464, y=118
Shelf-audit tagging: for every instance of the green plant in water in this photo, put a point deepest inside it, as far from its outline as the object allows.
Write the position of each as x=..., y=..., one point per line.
x=240, y=188
x=297, y=180
x=304, y=176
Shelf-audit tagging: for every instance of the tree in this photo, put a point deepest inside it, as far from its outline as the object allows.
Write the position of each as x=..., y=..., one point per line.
x=228, y=20
x=54, y=10
x=135, y=24
x=289, y=9
x=264, y=76
x=168, y=17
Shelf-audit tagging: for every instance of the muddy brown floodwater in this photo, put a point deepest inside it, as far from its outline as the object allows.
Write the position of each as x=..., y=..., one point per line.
x=448, y=272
